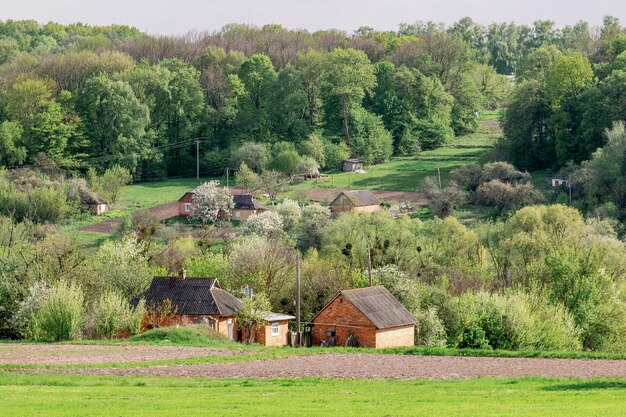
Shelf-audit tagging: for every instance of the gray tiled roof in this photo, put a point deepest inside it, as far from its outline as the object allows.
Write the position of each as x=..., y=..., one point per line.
x=379, y=306
x=192, y=296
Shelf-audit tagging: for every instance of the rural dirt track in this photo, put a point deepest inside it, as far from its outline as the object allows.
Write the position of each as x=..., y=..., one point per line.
x=328, y=194
x=331, y=365
x=161, y=212
x=62, y=354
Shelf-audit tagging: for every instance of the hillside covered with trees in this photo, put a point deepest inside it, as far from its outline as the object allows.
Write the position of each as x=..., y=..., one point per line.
x=99, y=96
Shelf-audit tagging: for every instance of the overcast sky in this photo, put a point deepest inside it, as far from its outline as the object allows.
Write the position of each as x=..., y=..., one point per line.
x=180, y=16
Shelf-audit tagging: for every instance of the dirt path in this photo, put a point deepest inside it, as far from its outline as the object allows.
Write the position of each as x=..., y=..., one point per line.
x=328, y=194
x=62, y=354
x=161, y=212
x=379, y=366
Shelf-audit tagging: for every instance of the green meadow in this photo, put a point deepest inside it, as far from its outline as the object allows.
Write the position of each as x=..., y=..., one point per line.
x=55, y=395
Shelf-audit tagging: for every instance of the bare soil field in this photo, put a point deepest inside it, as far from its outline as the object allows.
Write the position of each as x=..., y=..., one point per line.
x=339, y=365
x=67, y=354
x=329, y=194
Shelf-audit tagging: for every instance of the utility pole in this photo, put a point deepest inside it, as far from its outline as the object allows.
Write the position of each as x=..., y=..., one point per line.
x=569, y=186
x=369, y=266
x=299, y=337
x=439, y=175
x=198, y=159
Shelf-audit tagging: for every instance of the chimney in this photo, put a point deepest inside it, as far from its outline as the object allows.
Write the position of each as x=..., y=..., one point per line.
x=182, y=274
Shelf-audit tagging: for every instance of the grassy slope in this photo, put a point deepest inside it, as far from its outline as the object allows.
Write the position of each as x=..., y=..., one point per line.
x=406, y=174
x=56, y=395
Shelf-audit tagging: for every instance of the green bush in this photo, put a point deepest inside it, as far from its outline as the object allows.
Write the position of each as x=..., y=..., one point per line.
x=111, y=313
x=62, y=313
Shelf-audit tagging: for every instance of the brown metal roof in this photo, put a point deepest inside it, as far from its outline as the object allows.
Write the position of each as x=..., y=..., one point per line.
x=358, y=198
x=379, y=306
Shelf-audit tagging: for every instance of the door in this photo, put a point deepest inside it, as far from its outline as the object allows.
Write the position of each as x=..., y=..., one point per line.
x=230, y=330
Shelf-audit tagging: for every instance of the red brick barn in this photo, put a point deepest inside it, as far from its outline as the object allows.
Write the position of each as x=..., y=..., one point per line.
x=371, y=314
x=202, y=301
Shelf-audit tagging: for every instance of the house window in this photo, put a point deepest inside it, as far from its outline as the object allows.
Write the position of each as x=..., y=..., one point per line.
x=187, y=207
x=275, y=329
x=237, y=214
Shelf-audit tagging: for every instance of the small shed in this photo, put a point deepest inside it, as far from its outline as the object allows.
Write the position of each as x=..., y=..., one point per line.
x=97, y=205
x=557, y=182
x=370, y=315
x=360, y=201
x=351, y=165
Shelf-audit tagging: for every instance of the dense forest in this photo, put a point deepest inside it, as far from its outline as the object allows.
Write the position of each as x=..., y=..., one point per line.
x=93, y=97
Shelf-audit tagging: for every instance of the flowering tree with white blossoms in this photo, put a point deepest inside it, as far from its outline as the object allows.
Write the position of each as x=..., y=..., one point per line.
x=208, y=199
x=268, y=223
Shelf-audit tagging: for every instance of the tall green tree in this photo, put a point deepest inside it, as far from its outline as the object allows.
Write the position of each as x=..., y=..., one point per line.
x=348, y=76
x=115, y=122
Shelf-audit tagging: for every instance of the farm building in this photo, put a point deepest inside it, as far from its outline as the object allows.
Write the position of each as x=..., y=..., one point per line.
x=245, y=206
x=372, y=315
x=361, y=201
x=202, y=301
x=351, y=165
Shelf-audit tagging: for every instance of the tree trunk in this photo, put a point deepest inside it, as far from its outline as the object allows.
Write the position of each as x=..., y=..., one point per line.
x=344, y=120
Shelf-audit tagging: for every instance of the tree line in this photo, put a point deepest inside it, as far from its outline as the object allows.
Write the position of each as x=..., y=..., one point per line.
x=97, y=96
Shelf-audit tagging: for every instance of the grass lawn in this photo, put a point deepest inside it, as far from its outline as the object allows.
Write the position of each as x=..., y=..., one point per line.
x=149, y=194
x=63, y=395
x=406, y=174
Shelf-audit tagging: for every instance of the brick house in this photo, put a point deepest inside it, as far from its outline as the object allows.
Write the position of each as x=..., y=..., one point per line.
x=360, y=201
x=245, y=205
x=372, y=315
x=185, y=203
x=203, y=301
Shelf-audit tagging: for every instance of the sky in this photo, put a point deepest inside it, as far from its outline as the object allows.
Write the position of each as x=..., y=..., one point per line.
x=172, y=17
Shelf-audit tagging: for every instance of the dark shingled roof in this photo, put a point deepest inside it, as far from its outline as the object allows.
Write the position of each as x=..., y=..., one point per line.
x=380, y=307
x=247, y=201
x=359, y=198
x=192, y=296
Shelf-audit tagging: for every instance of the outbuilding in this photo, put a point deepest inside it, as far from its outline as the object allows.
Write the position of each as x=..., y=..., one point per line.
x=352, y=165
x=360, y=201
x=371, y=316
x=97, y=205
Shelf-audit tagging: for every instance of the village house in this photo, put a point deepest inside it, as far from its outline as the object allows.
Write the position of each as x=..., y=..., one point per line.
x=370, y=315
x=352, y=165
x=203, y=301
x=245, y=205
x=360, y=201
x=185, y=203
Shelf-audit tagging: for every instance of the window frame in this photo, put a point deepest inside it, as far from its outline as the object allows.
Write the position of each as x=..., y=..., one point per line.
x=275, y=328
